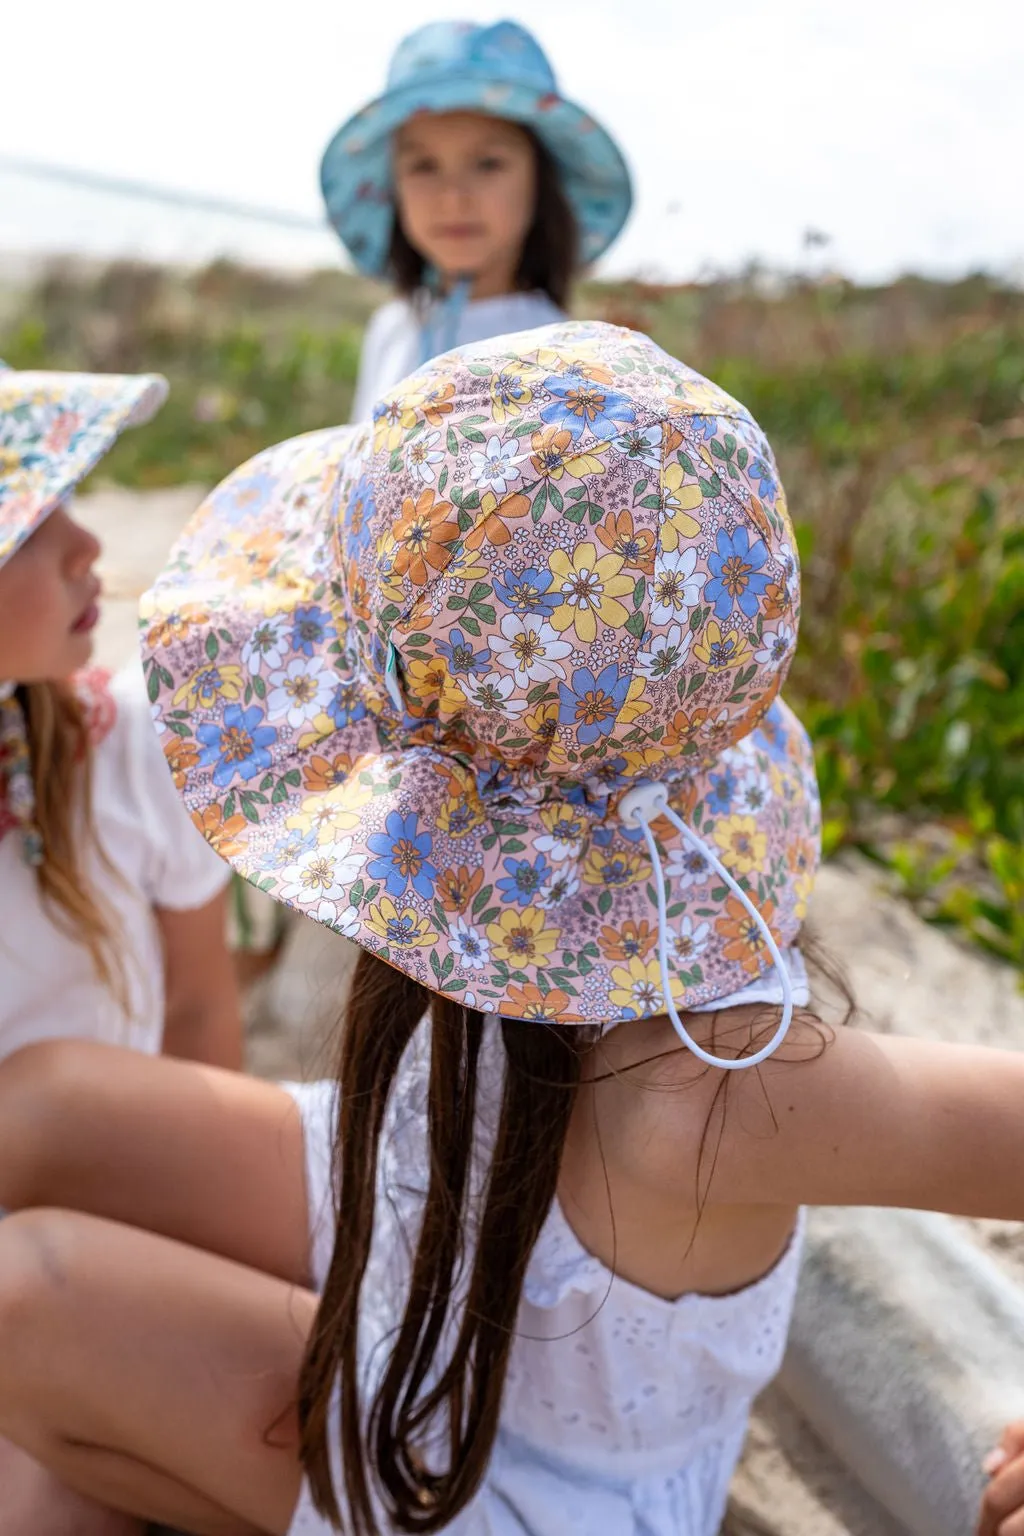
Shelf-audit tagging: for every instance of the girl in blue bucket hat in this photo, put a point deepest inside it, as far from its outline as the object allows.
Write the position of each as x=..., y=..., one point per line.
x=476, y=187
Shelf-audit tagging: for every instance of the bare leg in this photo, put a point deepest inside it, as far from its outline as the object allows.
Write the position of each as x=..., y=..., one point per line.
x=34, y=1503
x=154, y=1378
x=211, y=1158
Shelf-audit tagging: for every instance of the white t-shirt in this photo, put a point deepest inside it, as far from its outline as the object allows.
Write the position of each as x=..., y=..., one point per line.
x=393, y=343
x=48, y=987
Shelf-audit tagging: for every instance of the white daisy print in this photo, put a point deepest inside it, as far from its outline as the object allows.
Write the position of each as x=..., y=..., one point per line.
x=300, y=691
x=530, y=649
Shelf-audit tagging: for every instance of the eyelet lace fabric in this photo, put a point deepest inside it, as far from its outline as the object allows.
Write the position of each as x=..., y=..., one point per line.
x=624, y=1413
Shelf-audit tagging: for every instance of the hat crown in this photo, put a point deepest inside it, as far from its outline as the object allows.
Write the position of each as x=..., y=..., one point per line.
x=576, y=553
x=504, y=51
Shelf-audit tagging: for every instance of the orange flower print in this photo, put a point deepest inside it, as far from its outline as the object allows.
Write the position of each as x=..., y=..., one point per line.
x=529, y=1002
x=745, y=939
x=423, y=534
x=433, y=404
x=321, y=774
x=633, y=941
x=220, y=834
x=172, y=627
x=634, y=547
x=778, y=599
x=457, y=887
x=181, y=756
x=493, y=526
x=551, y=450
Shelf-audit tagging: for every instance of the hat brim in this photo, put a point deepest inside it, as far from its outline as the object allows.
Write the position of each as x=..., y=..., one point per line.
x=356, y=179
x=525, y=908
x=56, y=428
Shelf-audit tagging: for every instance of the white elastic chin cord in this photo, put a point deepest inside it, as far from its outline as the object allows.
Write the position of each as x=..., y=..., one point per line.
x=639, y=807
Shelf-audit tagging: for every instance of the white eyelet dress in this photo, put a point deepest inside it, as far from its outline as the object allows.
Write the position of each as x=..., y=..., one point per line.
x=624, y=1414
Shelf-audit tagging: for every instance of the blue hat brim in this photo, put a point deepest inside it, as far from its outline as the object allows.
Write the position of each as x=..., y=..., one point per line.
x=356, y=179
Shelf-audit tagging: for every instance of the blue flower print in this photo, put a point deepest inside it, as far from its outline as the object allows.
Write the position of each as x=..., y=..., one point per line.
x=359, y=513
x=402, y=856
x=458, y=652
x=237, y=748
x=312, y=630
x=765, y=477
x=723, y=791
x=703, y=426
x=528, y=592
x=737, y=578
x=346, y=705
x=579, y=404
x=592, y=703
x=524, y=879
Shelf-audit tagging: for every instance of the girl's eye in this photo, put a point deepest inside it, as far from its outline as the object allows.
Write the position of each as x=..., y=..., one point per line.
x=420, y=167
x=491, y=163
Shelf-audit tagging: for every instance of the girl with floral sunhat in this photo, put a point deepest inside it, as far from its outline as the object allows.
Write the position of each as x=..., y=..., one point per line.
x=476, y=188
x=111, y=905
x=522, y=1269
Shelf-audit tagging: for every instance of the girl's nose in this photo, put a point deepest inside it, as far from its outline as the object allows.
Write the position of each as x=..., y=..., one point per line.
x=83, y=548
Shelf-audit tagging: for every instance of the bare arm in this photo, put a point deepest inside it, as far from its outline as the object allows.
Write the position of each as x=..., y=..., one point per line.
x=203, y=1019
x=859, y=1119
x=883, y=1120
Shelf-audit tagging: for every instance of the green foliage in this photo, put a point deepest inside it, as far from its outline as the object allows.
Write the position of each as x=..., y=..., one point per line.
x=897, y=416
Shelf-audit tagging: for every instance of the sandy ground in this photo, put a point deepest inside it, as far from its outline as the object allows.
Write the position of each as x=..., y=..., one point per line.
x=788, y=1484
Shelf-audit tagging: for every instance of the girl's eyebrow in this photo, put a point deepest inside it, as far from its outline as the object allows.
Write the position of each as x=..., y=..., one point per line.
x=489, y=138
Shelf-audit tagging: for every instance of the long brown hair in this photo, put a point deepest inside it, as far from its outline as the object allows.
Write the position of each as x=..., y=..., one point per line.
x=61, y=758
x=550, y=253
x=381, y=1445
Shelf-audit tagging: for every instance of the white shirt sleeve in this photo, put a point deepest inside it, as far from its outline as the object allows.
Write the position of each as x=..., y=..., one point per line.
x=389, y=352
x=181, y=870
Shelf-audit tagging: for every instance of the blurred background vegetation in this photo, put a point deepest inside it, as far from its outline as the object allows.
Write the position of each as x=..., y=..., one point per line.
x=897, y=415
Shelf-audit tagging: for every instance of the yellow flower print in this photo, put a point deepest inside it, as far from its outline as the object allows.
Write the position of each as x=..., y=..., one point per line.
x=326, y=815
x=640, y=759
x=637, y=987
x=520, y=938
x=388, y=426
x=430, y=682
x=542, y=725
x=589, y=585
x=209, y=684
x=678, y=501
x=605, y=866
x=633, y=706
x=744, y=847
x=509, y=395
x=404, y=929
x=718, y=651
x=461, y=812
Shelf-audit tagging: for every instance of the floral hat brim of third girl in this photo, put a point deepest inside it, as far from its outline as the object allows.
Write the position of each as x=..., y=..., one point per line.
x=460, y=66
x=54, y=428
x=405, y=675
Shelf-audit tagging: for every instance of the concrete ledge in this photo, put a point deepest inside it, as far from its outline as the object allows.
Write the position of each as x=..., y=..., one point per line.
x=907, y=1358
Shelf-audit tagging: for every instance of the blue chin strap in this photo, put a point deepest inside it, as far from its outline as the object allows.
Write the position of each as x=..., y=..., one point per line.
x=441, y=329
x=638, y=808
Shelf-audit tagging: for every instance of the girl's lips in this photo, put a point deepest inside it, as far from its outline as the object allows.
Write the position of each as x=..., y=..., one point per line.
x=88, y=620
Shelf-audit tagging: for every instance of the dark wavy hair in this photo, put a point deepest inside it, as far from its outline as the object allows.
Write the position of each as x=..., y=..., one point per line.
x=550, y=251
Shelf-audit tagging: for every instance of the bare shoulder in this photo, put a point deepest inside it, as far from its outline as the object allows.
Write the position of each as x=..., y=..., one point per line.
x=836, y=1117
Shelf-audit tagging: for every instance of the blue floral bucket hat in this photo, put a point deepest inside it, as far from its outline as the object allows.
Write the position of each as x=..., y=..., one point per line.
x=457, y=66
x=54, y=429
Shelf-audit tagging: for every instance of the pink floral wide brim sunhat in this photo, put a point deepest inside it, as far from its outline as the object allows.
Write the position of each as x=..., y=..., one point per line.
x=406, y=676
x=54, y=429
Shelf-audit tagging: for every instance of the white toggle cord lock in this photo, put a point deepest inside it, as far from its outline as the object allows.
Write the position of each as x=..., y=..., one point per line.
x=638, y=808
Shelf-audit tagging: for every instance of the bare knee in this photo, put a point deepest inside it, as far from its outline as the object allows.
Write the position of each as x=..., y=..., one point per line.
x=44, y=1093
x=36, y=1263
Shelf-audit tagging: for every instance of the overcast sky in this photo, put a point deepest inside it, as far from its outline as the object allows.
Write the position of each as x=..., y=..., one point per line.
x=894, y=126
